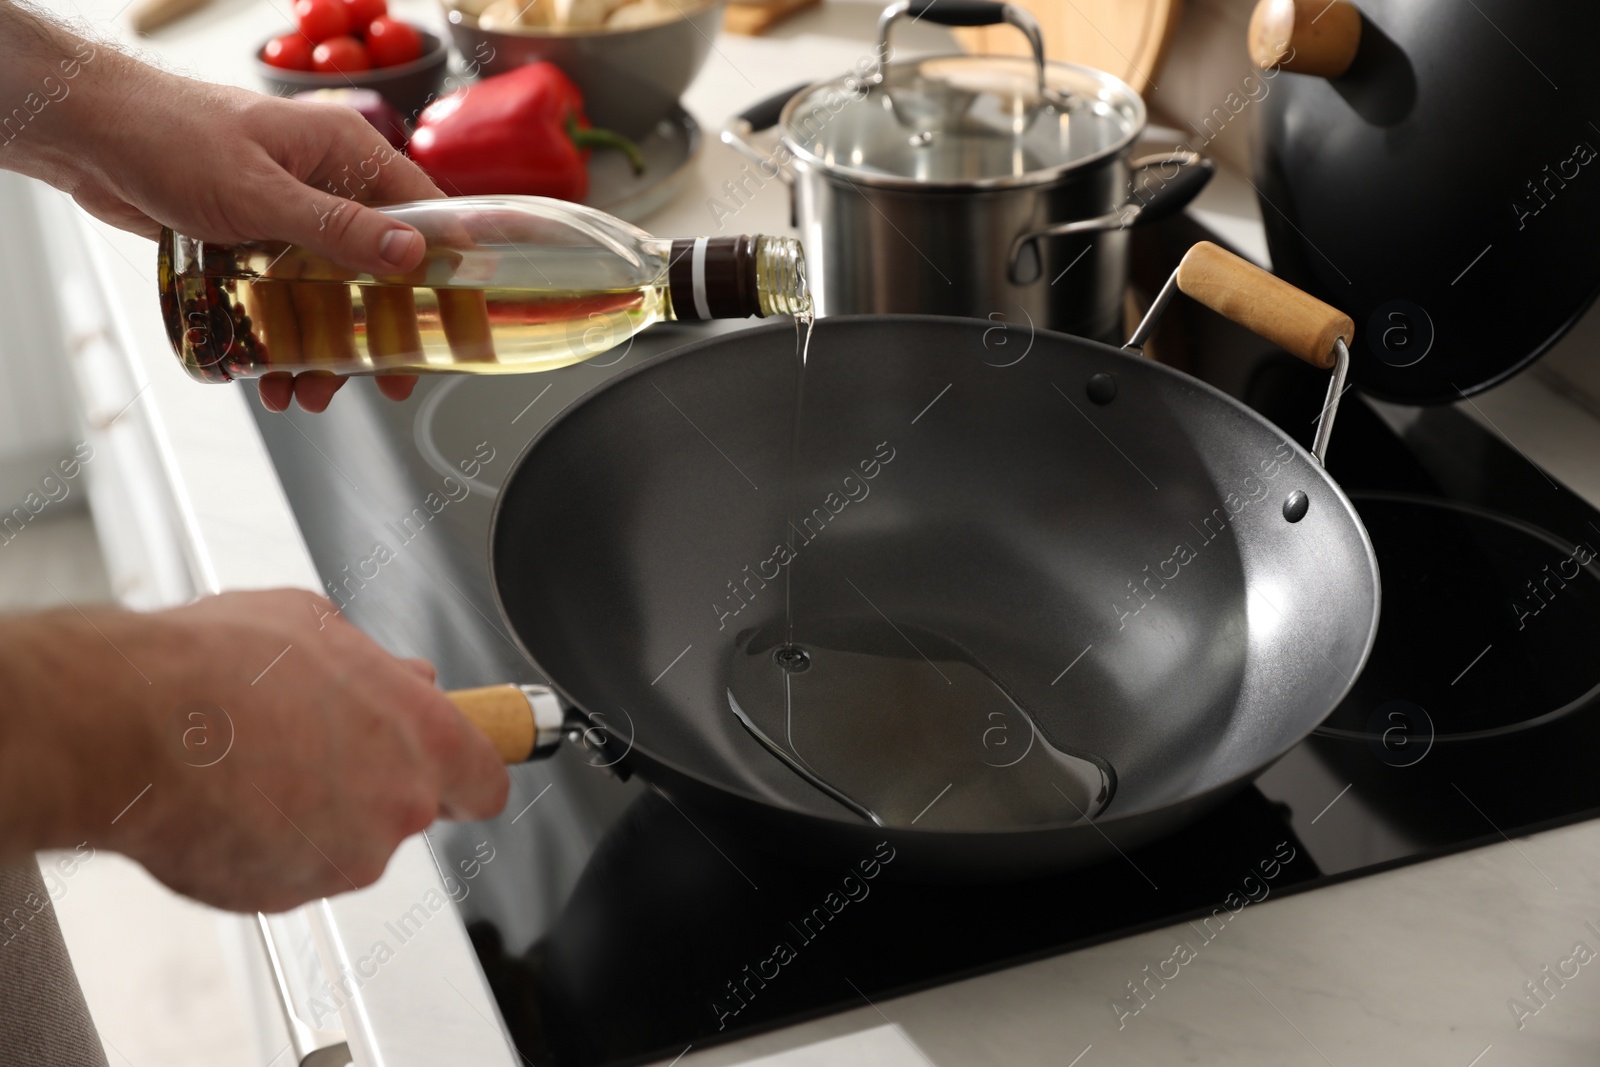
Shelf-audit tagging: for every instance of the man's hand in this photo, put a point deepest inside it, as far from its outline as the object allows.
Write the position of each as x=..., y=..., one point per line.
x=252, y=750
x=141, y=149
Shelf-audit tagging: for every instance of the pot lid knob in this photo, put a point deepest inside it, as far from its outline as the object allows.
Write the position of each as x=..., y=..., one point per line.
x=1305, y=36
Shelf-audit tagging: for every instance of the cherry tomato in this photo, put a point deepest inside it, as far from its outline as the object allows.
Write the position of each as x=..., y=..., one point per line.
x=291, y=52
x=362, y=12
x=321, y=19
x=392, y=42
x=340, y=55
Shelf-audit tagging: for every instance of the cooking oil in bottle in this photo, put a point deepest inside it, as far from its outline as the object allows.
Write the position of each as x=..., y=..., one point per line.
x=907, y=729
x=507, y=284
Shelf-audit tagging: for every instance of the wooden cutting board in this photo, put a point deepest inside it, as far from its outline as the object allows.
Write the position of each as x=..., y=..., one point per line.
x=757, y=17
x=1128, y=38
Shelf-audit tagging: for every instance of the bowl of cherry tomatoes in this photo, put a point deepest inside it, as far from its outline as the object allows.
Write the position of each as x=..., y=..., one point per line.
x=355, y=44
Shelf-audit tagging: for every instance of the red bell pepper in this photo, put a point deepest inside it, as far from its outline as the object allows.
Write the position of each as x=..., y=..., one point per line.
x=519, y=132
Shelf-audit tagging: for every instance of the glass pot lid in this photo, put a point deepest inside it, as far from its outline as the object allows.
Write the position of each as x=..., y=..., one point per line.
x=964, y=121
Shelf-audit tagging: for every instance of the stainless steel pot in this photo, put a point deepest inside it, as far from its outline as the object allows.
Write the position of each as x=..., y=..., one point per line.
x=969, y=185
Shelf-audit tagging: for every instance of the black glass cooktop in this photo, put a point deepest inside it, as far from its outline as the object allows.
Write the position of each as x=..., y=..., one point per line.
x=615, y=930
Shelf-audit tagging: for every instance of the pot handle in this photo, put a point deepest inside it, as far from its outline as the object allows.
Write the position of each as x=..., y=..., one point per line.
x=1156, y=196
x=762, y=115
x=962, y=13
x=523, y=722
x=1293, y=320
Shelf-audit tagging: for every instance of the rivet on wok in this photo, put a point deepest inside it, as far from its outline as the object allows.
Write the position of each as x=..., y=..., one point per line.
x=1102, y=388
x=1296, y=506
x=791, y=658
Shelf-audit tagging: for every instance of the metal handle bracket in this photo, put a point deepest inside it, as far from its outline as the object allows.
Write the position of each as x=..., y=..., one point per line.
x=1267, y=305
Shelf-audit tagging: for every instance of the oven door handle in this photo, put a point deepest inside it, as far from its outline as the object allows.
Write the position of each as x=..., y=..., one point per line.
x=311, y=1045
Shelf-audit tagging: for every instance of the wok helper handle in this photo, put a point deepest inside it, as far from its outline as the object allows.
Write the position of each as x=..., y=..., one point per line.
x=1294, y=321
x=1271, y=307
x=523, y=722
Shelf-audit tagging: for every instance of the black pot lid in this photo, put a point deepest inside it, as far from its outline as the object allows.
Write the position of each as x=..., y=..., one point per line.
x=1444, y=191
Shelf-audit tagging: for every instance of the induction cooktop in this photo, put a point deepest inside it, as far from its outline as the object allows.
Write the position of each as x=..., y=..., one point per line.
x=616, y=929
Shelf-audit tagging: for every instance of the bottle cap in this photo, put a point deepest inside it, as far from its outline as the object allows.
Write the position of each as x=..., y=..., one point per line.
x=713, y=278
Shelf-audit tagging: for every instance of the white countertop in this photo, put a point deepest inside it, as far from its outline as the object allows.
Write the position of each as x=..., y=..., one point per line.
x=1411, y=966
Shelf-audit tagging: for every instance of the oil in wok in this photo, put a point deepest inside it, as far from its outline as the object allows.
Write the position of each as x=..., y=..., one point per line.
x=907, y=729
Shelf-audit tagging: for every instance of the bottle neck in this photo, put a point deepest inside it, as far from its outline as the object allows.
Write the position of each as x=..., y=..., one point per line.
x=736, y=277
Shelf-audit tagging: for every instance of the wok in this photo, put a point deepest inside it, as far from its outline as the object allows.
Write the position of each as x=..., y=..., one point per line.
x=1156, y=573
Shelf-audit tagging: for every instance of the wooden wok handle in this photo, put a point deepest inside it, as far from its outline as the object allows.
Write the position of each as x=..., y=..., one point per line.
x=1243, y=292
x=521, y=721
x=1305, y=36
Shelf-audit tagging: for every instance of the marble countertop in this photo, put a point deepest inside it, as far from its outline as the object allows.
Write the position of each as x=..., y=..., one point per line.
x=1415, y=966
